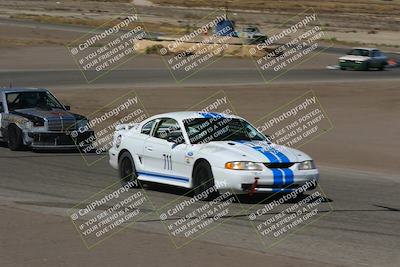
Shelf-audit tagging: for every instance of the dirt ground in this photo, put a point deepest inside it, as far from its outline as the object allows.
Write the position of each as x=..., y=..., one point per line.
x=58, y=58
x=28, y=245
x=343, y=21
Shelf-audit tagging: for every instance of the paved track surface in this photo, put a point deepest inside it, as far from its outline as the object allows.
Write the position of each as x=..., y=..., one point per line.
x=361, y=230
x=210, y=76
x=146, y=71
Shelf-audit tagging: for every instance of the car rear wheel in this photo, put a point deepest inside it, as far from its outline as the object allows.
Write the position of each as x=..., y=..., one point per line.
x=381, y=67
x=204, y=180
x=127, y=170
x=15, y=138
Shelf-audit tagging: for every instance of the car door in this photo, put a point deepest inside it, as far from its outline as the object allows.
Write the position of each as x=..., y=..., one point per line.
x=137, y=142
x=4, y=115
x=163, y=156
x=375, y=59
x=381, y=58
x=1, y=114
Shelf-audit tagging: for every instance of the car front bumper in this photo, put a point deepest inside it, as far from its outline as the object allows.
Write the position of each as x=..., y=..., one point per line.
x=55, y=140
x=242, y=182
x=113, y=160
x=353, y=65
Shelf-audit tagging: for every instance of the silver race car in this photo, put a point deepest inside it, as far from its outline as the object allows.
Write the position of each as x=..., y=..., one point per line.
x=363, y=59
x=34, y=118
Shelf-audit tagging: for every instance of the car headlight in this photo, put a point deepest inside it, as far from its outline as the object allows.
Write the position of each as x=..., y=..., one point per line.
x=244, y=165
x=37, y=122
x=27, y=125
x=82, y=125
x=307, y=165
x=342, y=60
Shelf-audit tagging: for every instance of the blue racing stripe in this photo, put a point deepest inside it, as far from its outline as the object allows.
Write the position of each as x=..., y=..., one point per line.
x=278, y=176
x=277, y=173
x=289, y=177
x=272, y=158
x=216, y=115
x=159, y=175
x=211, y=115
x=281, y=156
x=282, y=176
x=206, y=115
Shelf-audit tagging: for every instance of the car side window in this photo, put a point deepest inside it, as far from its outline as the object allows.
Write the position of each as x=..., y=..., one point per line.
x=166, y=127
x=146, y=129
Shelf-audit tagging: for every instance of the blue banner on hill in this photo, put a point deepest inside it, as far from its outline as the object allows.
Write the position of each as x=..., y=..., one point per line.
x=225, y=28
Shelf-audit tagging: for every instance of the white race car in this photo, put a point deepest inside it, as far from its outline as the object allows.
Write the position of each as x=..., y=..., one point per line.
x=363, y=59
x=202, y=150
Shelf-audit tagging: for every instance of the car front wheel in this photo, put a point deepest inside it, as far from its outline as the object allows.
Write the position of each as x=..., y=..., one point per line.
x=127, y=170
x=15, y=138
x=367, y=66
x=204, y=180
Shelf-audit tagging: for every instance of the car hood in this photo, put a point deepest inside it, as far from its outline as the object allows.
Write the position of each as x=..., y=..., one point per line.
x=257, y=151
x=354, y=58
x=54, y=113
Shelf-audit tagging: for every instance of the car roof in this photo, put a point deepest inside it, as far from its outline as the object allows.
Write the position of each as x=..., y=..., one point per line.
x=21, y=89
x=182, y=115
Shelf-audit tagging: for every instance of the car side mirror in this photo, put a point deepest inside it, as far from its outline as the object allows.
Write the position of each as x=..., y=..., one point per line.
x=67, y=107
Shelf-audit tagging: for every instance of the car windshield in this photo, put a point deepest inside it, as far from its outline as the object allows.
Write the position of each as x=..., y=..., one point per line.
x=204, y=130
x=23, y=100
x=359, y=52
x=250, y=29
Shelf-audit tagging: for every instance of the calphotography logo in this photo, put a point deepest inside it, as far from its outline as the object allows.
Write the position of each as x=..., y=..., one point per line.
x=124, y=110
x=188, y=218
x=294, y=42
x=297, y=122
x=287, y=213
x=205, y=44
x=216, y=113
x=108, y=212
x=108, y=46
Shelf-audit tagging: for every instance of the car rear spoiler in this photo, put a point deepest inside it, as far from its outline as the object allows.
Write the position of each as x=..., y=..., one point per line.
x=125, y=126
